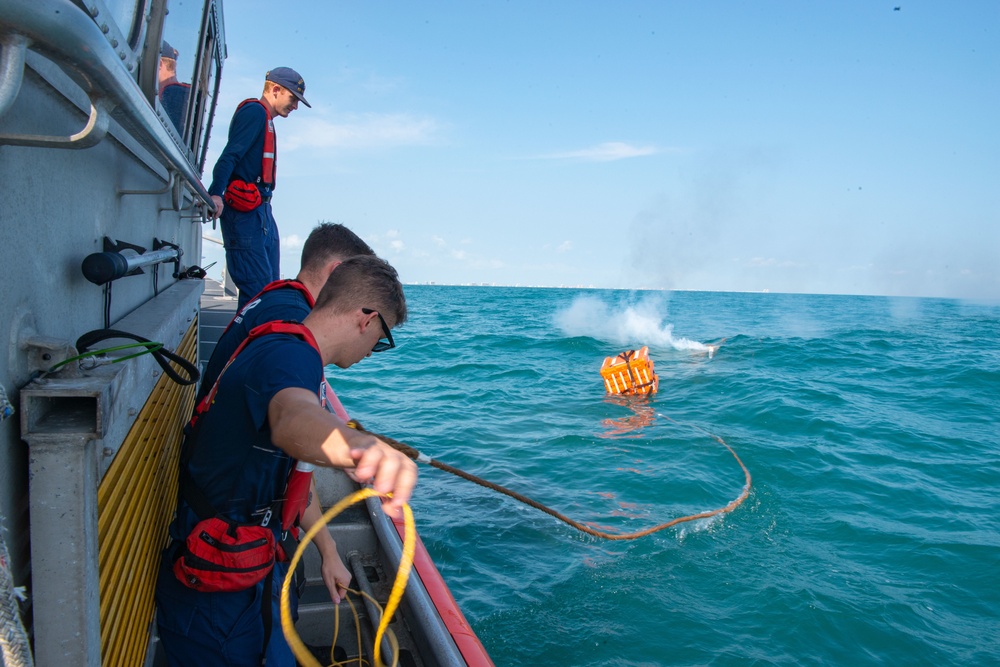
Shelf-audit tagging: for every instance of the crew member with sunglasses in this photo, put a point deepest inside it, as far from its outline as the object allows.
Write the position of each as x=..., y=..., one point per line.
x=326, y=247
x=265, y=415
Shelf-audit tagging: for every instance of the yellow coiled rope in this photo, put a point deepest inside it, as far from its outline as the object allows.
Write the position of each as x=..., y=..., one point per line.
x=302, y=653
x=393, y=644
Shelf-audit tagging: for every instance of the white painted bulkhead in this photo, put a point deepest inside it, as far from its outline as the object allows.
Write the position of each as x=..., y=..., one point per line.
x=138, y=182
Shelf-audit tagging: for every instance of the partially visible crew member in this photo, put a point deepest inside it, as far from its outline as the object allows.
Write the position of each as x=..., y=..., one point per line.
x=173, y=94
x=327, y=246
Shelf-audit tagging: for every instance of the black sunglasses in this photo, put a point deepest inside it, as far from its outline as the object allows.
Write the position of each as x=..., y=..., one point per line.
x=381, y=345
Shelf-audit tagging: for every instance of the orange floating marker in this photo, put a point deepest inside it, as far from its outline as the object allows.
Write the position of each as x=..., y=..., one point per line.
x=630, y=373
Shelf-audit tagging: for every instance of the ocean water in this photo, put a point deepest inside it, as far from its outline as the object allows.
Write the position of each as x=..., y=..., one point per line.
x=870, y=425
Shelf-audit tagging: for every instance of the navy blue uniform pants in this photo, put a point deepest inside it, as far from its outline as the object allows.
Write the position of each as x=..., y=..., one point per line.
x=219, y=629
x=253, y=251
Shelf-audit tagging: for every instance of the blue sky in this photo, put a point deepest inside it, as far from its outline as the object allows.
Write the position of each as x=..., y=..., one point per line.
x=843, y=147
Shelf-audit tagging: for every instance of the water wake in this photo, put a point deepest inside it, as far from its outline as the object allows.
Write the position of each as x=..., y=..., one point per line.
x=628, y=325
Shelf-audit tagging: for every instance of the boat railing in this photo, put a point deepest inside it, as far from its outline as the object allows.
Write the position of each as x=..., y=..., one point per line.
x=62, y=32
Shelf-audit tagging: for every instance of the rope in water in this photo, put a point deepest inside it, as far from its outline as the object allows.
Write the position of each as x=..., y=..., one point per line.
x=302, y=653
x=420, y=457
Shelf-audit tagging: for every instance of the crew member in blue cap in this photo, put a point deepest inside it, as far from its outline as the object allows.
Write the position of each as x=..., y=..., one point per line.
x=173, y=94
x=243, y=181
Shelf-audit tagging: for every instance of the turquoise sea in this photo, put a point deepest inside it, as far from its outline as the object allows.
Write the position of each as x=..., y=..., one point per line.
x=870, y=426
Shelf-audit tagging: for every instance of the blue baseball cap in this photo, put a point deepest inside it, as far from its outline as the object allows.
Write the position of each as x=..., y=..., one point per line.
x=288, y=78
x=167, y=51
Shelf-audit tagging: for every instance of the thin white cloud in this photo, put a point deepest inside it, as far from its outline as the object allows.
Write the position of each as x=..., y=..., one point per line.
x=772, y=262
x=377, y=84
x=388, y=242
x=606, y=152
x=292, y=242
x=459, y=253
x=369, y=130
x=565, y=246
x=373, y=83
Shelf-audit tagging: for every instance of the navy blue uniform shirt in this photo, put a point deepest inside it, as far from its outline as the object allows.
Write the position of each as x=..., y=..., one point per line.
x=243, y=156
x=284, y=304
x=234, y=462
x=174, y=98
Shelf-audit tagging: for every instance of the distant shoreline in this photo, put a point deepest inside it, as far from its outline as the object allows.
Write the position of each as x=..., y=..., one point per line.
x=976, y=300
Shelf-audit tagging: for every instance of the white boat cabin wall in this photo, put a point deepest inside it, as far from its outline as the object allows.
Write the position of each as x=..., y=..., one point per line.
x=90, y=155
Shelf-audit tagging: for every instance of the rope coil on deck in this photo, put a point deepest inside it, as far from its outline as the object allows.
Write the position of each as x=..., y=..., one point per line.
x=300, y=650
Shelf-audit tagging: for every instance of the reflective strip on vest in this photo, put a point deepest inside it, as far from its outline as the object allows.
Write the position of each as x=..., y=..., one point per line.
x=269, y=160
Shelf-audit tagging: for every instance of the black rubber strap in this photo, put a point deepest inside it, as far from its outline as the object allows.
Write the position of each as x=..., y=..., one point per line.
x=163, y=356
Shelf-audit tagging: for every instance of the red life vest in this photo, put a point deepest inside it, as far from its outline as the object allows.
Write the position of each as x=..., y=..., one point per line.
x=269, y=162
x=327, y=398
x=276, y=284
x=189, y=490
x=220, y=555
x=294, y=328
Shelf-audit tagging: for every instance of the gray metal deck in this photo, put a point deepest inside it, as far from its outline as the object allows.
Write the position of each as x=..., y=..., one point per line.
x=217, y=309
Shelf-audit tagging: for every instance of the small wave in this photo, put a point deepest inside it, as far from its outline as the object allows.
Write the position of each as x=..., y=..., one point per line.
x=699, y=526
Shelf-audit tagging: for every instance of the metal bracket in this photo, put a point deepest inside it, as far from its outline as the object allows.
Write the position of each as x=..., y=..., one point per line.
x=157, y=245
x=44, y=352
x=162, y=191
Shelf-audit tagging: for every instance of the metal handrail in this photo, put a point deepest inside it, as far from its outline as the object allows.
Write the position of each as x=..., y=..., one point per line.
x=61, y=31
x=12, y=49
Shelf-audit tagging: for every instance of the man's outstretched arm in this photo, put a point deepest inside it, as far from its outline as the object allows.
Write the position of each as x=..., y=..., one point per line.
x=307, y=432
